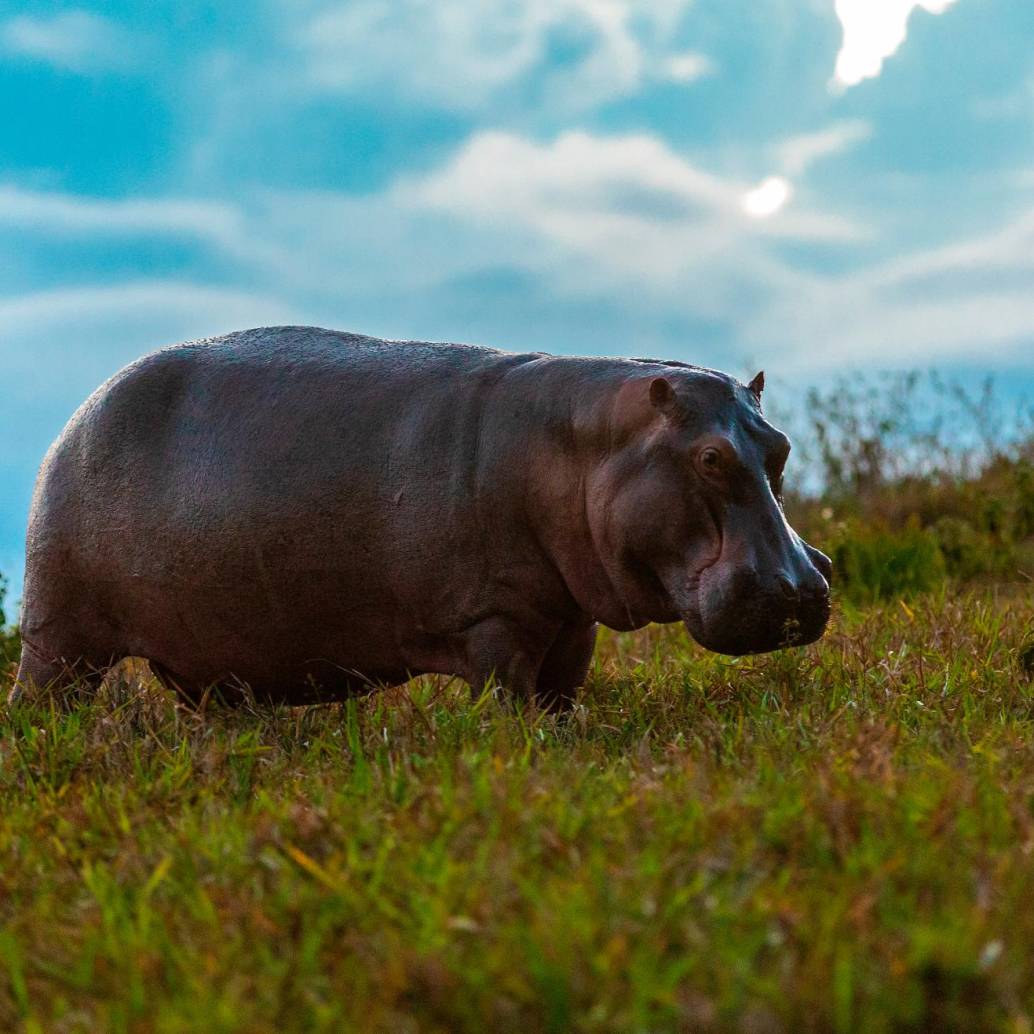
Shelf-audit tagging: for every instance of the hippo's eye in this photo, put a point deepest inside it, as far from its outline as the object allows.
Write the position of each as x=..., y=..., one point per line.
x=711, y=460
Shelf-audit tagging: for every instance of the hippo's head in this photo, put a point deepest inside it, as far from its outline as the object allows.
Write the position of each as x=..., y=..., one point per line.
x=686, y=514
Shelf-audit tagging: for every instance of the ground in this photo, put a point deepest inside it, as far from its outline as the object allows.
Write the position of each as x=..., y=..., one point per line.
x=839, y=838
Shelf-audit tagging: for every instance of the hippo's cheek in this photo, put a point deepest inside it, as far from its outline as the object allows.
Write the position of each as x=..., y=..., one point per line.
x=735, y=616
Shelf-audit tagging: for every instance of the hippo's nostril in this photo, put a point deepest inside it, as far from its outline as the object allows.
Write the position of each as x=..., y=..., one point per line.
x=787, y=588
x=822, y=563
x=819, y=586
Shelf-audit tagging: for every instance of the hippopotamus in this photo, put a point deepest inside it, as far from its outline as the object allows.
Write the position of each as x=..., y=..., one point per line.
x=301, y=515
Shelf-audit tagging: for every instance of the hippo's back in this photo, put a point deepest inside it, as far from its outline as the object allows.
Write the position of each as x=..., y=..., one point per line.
x=286, y=484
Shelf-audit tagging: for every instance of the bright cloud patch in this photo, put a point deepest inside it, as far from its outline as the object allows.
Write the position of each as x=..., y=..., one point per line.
x=767, y=197
x=76, y=41
x=873, y=31
x=688, y=67
x=581, y=216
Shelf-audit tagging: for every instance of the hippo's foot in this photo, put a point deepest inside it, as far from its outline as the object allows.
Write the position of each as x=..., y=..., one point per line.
x=546, y=672
x=40, y=672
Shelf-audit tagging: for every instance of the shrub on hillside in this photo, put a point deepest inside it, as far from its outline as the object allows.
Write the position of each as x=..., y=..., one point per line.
x=912, y=467
x=1023, y=478
x=971, y=552
x=875, y=563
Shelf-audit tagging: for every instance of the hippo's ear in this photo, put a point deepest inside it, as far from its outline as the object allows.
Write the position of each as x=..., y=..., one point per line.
x=662, y=394
x=757, y=386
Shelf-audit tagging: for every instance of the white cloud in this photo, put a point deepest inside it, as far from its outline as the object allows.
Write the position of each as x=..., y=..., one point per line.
x=620, y=216
x=967, y=300
x=221, y=224
x=616, y=197
x=797, y=154
x=468, y=55
x=73, y=40
x=68, y=213
x=505, y=175
x=873, y=30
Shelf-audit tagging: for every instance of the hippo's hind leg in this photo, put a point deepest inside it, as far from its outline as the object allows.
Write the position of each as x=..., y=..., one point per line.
x=40, y=671
x=565, y=666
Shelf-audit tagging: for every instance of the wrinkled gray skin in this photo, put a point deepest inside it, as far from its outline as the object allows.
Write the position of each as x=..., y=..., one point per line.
x=314, y=514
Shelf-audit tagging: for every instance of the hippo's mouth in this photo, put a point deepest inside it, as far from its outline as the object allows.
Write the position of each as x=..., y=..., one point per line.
x=763, y=627
x=729, y=611
x=730, y=615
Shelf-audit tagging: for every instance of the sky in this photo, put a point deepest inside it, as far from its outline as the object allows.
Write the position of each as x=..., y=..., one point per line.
x=808, y=186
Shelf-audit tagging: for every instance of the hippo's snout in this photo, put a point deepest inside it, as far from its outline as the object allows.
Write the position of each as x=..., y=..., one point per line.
x=744, y=611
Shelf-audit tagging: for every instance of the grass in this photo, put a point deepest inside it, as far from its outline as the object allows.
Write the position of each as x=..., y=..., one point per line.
x=834, y=839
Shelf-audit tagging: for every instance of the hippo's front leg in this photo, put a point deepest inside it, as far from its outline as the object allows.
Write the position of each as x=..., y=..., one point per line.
x=546, y=665
x=501, y=652
x=566, y=664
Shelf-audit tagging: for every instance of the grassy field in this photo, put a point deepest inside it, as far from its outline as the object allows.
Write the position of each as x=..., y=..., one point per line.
x=839, y=838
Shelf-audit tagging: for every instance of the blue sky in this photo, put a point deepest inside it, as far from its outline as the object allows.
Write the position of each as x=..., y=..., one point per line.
x=804, y=185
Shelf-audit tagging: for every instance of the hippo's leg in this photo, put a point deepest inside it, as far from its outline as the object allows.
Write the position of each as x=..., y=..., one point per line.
x=565, y=666
x=499, y=653
x=39, y=671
